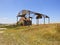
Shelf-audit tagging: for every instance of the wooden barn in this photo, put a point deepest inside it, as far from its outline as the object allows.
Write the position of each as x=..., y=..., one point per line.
x=26, y=19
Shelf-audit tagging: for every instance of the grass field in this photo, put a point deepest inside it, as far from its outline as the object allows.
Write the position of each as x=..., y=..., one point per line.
x=48, y=34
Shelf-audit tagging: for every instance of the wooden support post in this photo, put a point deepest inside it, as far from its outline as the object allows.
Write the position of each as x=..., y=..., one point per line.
x=48, y=20
x=37, y=21
x=29, y=14
x=30, y=17
x=17, y=20
x=44, y=20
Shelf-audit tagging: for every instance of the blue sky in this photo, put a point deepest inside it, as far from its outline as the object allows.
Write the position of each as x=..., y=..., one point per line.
x=10, y=8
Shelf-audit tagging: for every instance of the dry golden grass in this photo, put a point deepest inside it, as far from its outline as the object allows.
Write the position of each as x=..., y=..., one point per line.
x=47, y=34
